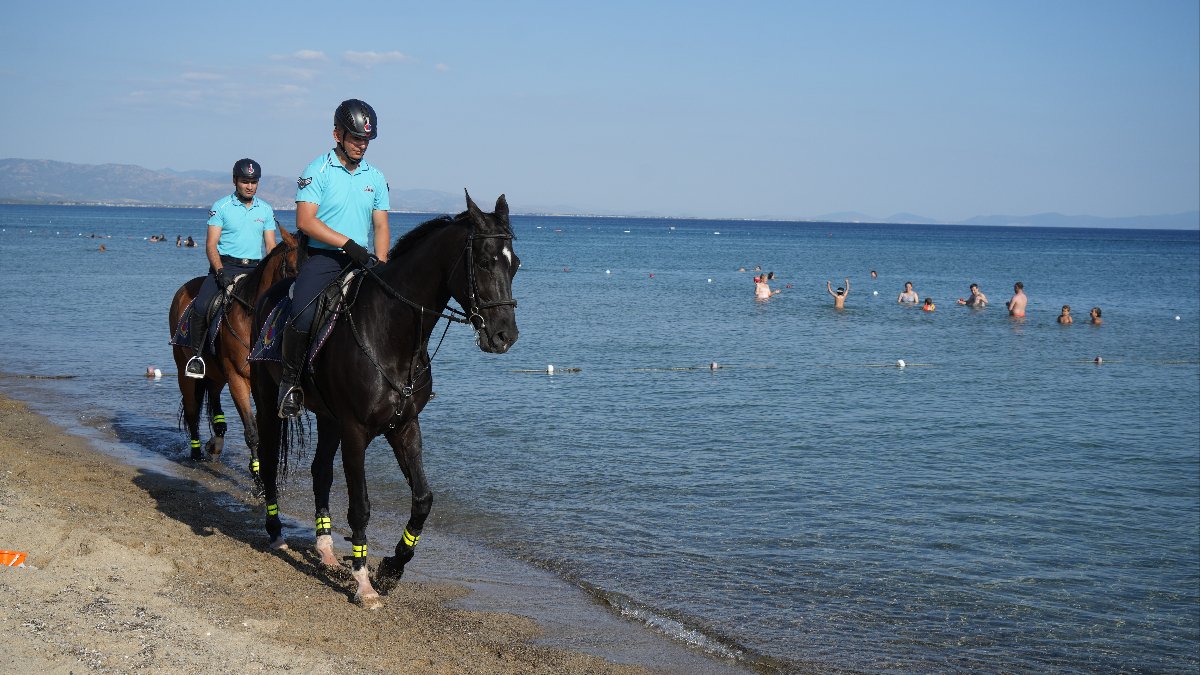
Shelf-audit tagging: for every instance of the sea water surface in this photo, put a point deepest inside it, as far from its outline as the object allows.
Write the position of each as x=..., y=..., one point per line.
x=1001, y=503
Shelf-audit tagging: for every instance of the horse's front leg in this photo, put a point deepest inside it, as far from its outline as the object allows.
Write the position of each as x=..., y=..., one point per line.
x=239, y=390
x=216, y=417
x=406, y=445
x=354, y=450
x=193, y=399
x=328, y=438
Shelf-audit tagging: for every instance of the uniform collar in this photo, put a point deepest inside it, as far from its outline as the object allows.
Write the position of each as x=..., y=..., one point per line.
x=333, y=160
x=253, y=200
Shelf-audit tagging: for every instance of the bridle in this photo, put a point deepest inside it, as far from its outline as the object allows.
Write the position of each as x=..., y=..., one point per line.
x=454, y=315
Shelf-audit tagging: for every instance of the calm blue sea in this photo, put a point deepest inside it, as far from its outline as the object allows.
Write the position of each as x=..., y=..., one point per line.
x=1002, y=503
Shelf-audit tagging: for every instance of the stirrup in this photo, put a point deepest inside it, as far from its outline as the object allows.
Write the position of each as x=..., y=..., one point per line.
x=290, y=402
x=194, y=367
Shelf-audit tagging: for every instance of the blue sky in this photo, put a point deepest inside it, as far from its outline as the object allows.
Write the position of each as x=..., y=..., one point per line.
x=784, y=109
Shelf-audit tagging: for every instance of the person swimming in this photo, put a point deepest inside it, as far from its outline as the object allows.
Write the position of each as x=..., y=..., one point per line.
x=1065, y=317
x=839, y=297
x=1016, y=304
x=908, y=296
x=929, y=306
x=977, y=299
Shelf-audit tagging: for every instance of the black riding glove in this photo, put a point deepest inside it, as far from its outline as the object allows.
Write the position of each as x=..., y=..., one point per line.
x=359, y=254
x=223, y=281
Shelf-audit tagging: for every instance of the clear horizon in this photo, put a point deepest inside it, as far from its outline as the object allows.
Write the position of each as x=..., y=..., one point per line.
x=760, y=111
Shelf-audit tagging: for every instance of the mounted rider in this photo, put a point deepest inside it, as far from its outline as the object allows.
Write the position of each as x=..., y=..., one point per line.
x=341, y=204
x=239, y=226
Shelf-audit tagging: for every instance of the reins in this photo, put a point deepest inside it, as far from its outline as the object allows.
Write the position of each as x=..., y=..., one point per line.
x=451, y=315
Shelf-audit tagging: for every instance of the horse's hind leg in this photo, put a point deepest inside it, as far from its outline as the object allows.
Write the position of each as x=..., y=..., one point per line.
x=268, y=453
x=322, y=475
x=406, y=445
x=216, y=417
x=354, y=446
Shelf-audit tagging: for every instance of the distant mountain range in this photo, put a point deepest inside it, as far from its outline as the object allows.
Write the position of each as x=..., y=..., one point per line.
x=41, y=181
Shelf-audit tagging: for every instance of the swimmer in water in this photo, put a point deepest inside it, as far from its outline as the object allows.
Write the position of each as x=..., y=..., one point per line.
x=1065, y=317
x=839, y=297
x=909, y=295
x=1016, y=304
x=977, y=299
x=1095, y=314
x=929, y=306
x=762, y=290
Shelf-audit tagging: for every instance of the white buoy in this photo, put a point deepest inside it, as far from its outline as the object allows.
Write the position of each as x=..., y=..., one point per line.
x=608, y=271
x=710, y=281
x=1176, y=317
x=874, y=292
x=1098, y=360
x=550, y=369
x=900, y=363
x=157, y=374
x=713, y=366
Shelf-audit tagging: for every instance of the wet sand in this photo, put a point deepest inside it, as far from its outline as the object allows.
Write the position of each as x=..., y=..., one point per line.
x=132, y=570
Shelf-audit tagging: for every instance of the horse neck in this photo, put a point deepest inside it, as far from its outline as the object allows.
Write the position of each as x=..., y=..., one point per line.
x=422, y=273
x=268, y=273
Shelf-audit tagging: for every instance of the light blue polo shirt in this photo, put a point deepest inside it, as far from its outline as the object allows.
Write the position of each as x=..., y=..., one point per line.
x=344, y=200
x=241, y=228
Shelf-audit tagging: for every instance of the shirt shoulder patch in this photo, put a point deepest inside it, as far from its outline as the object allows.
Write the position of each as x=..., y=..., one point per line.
x=211, y=214
x=303, y=182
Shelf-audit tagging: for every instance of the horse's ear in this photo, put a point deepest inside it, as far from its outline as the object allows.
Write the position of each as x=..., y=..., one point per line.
x=502, y=208
x=470, y=203
x=289, y=239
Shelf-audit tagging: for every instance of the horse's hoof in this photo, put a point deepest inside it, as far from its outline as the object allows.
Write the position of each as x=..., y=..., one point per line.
x=279, y=544
x=215, y=445
x=371, y=601
x=387, y=574
x=197, y=456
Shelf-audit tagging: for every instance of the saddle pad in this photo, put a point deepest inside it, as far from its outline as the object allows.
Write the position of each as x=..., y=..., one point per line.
x=269, y=345
x=182, y=335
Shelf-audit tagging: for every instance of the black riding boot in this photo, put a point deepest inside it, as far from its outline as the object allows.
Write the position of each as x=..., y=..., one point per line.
x=199, y=331
x=291, y=394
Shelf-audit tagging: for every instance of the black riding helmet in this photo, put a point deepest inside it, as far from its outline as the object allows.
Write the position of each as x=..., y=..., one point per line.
x=357, y=118
x=247, y=168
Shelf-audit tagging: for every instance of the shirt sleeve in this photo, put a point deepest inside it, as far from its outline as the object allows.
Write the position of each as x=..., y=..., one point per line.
x=311, y=185
x=383, y=201
x=269, y=223
x=214, y=216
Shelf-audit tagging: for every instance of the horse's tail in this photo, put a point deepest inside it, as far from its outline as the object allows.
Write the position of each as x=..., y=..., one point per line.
x=293, y=433
x=179, y=417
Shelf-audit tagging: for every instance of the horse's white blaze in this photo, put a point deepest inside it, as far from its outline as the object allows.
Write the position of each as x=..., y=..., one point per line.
x=507, y=255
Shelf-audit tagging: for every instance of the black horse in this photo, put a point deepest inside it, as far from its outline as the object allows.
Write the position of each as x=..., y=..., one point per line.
x=372, y=375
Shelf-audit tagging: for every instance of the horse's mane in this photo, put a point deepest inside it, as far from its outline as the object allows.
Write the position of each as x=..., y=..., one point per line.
x=415, y=235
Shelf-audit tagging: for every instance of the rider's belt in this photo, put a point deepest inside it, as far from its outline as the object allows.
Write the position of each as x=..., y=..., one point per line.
x=244, y=262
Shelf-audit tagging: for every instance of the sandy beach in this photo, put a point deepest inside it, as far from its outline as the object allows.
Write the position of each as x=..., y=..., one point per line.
x=132, y=570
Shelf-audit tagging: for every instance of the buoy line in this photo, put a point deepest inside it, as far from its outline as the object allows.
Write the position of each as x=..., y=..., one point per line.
x=40, y=377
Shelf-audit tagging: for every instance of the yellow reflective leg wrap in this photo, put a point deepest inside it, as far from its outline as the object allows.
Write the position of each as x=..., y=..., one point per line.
x=324, y=525
x=272, y=509
x=410, y=539
x=195, y=445
x=360, y=551
x=254, y=466
x=218, y=419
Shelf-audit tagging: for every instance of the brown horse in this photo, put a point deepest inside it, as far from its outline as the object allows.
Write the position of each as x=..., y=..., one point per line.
x=232, y=347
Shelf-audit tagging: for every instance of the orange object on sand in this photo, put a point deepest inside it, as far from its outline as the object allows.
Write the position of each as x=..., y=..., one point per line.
x=12, y=559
